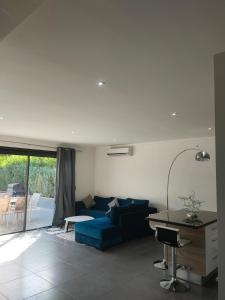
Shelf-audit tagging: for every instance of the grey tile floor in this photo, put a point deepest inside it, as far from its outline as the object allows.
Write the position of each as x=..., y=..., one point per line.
x=39, y=266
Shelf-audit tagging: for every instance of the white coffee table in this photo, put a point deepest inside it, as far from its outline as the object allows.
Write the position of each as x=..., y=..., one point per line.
x=76, y=219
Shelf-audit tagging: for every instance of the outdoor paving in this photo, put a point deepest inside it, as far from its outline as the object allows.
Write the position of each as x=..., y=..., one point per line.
x=39, y=218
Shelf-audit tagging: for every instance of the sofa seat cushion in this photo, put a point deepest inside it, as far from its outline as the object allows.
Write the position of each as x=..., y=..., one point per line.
x=100, y=228
x=92, y=213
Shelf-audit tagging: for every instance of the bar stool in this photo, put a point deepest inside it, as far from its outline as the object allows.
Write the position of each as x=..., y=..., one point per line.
x=160, y=263
x=171, y=238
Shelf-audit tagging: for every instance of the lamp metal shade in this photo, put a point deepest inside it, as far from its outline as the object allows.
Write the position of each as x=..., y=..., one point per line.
x=202, y=156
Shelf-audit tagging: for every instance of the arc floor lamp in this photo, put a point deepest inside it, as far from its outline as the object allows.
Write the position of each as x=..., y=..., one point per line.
x=200, y=156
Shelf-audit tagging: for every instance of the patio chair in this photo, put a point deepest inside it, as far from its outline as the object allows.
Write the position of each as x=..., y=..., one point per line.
x=32, y=205
x=20, y=208
x=4, y=205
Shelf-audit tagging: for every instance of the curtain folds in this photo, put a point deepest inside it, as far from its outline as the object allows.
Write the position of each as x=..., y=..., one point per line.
x=65, y=185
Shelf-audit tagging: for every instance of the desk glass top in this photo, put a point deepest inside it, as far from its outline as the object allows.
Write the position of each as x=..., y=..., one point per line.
x=178, y=217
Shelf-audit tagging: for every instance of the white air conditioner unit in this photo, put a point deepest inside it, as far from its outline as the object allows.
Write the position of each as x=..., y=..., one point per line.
x=120, y=151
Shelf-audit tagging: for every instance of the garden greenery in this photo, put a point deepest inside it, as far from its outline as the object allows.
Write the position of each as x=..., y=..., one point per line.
x=42, y=173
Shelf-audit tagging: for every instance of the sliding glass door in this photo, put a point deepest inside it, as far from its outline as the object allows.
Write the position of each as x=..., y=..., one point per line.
x=13, y=178
x=27, y=189
x=41, y=187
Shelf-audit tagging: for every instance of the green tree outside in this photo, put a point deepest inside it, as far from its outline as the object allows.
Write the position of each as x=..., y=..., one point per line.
x=42, y=173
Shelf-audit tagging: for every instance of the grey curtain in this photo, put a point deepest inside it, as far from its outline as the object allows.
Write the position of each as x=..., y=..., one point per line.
x=65, y=185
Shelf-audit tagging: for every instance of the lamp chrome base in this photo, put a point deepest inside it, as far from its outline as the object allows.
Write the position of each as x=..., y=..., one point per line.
x=175, y=285
x=160, y=264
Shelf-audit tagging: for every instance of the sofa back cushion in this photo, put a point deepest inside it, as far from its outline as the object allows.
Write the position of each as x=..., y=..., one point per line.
x=124, y=202
x=130, y=206
x=142, y=203
x=128, y=201
x=102, y=202
x=138, y=207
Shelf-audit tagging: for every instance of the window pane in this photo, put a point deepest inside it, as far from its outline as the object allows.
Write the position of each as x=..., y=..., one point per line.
x=41, y=188
x=13, y=171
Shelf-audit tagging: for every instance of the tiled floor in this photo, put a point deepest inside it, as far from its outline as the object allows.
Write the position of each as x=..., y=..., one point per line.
x=38, y=266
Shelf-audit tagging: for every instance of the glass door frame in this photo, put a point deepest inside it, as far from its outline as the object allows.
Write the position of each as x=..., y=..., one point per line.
x=28, y=153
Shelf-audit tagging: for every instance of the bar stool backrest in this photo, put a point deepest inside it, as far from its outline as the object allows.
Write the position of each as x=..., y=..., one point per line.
x=168, y=236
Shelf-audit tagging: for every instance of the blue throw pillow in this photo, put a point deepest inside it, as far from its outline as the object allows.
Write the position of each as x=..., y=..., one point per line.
x=102, y=202
x=111, y=204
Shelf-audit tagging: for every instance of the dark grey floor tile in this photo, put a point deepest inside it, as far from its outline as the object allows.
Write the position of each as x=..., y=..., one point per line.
x=52, y=294
x=60, y=273
x=24, y=287
x=62, y=253
x=11, y=271
x=86, y=286
x=81, y=265
x=67, y=252
x=132, y=294
x=39, y=262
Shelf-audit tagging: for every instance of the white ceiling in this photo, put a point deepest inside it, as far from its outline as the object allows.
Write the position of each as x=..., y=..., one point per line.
x=13, y=12
x=156, y=57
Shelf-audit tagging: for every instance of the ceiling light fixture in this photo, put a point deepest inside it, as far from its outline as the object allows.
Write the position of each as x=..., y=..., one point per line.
x=210, y=128
x=72, y=131
x=101, y=83
x=1, y=118
x=174, y=114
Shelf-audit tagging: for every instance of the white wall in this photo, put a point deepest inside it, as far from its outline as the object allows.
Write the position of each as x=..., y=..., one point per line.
x=144, y=175
x=220, y=163
x=85, y=162
x=84, y=170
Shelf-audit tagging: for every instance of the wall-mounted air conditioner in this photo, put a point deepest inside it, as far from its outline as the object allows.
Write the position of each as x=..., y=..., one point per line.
x=120, y=151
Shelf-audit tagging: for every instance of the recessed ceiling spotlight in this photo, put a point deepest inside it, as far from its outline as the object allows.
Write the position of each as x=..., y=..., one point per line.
x=210, y=128
x=1, y=118
x=100, y=83
x=174, y=114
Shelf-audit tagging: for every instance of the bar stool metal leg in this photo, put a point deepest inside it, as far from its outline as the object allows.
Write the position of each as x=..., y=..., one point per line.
x=174, y=284
x=161, y=264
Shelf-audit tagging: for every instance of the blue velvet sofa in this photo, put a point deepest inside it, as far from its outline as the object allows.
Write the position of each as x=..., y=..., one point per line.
x=123, y=223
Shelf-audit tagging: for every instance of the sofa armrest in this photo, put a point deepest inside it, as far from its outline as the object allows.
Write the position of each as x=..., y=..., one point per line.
x=131, y=218
x=134, y=219
x=134, y=224
x=78, y=206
